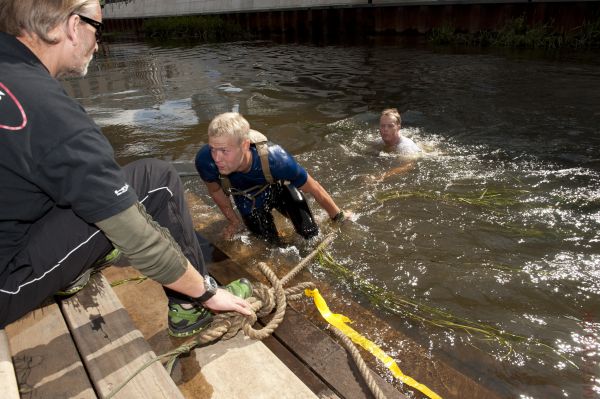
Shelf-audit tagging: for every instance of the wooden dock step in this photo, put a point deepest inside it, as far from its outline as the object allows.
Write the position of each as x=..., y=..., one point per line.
x=241, y=367
x=8, y=380
x=45, y=358
x=112, y=349
x=84, y=346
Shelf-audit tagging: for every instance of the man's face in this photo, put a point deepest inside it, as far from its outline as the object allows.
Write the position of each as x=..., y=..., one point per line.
x=227, y=153
x=84, y=52
x=388, y=128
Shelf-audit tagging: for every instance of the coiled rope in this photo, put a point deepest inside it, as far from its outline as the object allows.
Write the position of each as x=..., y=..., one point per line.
x=264, y=300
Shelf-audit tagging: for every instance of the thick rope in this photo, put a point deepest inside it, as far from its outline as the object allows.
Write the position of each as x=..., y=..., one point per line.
x=264, y=299
x=360, y=363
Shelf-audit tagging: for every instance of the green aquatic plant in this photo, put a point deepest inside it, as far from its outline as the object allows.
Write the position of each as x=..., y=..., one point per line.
x=138, y=279
x=388, y=301
x=485, y=198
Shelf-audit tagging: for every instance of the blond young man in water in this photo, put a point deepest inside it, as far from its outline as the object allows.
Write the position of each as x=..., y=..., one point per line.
x=230, y=165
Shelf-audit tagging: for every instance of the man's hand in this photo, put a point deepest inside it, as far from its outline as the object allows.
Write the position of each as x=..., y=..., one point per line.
x=225, y=301
x=342, y=216
x=231, y=229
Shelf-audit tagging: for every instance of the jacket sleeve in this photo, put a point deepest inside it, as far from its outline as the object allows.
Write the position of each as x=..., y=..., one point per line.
x=149, y=247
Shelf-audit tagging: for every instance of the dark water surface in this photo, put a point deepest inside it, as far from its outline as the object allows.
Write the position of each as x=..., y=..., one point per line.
x=495, y=229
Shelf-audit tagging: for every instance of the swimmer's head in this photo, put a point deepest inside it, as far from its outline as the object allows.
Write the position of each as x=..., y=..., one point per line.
x=389, y=126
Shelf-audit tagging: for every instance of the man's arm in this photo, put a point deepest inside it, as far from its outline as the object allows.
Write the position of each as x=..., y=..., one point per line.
x=191, y=283
x=224, y=204
x=321, y=196
x=397, y=170
x=152, y=250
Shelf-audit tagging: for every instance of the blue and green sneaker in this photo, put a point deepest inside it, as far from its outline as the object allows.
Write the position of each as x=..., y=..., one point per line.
x=81, y=281
x=186, y=322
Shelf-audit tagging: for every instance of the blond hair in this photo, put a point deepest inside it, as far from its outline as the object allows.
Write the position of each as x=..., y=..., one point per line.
x=392, y=112
x=40, y=17
x=229, y=124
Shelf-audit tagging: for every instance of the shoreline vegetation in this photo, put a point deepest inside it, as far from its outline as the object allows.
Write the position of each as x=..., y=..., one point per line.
x=515, y=33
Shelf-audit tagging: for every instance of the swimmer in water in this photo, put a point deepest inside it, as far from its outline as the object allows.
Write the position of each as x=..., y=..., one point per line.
x=389, y=128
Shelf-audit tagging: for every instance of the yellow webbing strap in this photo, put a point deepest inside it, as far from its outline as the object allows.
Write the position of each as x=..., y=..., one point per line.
x=339, y=321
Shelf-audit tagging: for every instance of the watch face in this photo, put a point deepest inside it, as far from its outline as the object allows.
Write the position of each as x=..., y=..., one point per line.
x=210, y=284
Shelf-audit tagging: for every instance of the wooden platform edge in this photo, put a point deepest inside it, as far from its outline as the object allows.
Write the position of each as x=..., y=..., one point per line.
x=112, y=348
x=306, y=344
x=8, y=378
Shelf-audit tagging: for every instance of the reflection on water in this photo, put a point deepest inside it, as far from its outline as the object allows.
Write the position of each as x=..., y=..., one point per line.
x=495, y=228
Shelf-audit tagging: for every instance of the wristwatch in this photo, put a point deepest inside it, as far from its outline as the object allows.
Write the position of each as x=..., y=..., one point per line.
x=210, y=285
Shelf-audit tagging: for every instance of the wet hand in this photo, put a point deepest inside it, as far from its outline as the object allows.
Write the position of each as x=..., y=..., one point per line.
x=342, y=216
x=231, y=230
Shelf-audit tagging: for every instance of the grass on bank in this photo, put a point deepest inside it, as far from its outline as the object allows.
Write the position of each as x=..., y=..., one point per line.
x=516, y=33
x=207, y=28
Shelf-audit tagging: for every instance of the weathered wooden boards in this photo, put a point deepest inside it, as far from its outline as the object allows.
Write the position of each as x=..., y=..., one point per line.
x=111, y=348
x=85, y=351
x=8, y=380
x=321, y=356
x=45, y=358
x=245, y=368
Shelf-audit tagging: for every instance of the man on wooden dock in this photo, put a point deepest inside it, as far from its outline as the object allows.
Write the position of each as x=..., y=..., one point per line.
x=64, y=201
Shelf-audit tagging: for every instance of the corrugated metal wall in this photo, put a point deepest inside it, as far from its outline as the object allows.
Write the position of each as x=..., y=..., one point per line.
x=380, y=19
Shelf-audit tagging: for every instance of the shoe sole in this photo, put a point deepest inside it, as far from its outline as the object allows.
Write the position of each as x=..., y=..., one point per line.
x=183, y=333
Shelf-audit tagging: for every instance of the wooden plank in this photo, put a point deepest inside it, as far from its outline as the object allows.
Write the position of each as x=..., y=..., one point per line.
x=299, y=368
x=193, y=381
x=8, y=380
x=258, y=373
x=111, y=347
x=46, y=361
x=326, y=359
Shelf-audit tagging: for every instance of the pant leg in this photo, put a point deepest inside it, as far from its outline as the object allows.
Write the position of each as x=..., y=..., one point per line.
x=292, y=204
x=61, y=245
x=261, y=223
x=160, y=190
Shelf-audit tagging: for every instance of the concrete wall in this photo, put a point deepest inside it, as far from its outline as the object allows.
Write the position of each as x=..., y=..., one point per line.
x=353, y=17
x=153, y=8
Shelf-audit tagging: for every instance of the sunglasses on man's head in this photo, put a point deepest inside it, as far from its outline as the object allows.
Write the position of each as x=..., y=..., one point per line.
x=97, y=25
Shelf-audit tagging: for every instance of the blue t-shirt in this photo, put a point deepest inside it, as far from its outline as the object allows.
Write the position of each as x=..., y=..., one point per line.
x=283, y=167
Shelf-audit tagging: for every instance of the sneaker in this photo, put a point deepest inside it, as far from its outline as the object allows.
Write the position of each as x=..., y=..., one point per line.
x=242, y=288
x=113, y=257
x=81, y=281
x=185, y=322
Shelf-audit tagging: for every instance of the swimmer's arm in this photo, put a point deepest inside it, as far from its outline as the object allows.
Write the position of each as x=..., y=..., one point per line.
x=321, y=196
x=397, y=170
x=223, y=202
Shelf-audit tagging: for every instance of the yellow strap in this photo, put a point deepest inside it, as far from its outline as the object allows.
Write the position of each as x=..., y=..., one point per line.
x=339, y=321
